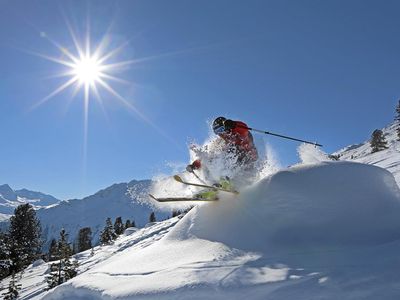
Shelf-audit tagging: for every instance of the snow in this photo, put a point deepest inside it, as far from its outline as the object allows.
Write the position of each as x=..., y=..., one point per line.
x=328, y=229
x=388, y=159
x=41, y=198
x=316, y=230
x=310, y=154
x=130, y=230
x=33, y=278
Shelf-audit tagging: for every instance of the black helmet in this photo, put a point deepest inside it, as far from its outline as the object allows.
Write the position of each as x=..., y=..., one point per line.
x=218, y=125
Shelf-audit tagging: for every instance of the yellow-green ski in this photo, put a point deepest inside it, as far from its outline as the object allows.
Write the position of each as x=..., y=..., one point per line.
x=177, y=199
x=179, y=179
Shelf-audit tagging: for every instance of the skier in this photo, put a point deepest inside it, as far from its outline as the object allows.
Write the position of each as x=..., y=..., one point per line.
x=237, y=139
x=239, y=157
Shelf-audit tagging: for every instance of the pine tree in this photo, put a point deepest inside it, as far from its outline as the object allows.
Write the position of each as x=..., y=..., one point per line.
x=64, y=269
x=13, y=289
x=378, y=141
x=118, y=226
x=398, y=133
x=25, y=243
x=133, y=223
x=152, y=217
x=108, y=234
x=128, y=224
x=84, y=239
x=397, y=118
x=74, y=248
x=5, y=262
x=53, y=250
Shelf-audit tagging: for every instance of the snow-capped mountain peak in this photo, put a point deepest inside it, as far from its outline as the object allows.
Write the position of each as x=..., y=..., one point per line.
x=10, y=199
x=7, y=193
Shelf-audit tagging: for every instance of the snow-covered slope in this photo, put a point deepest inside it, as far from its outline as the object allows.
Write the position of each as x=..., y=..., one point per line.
x=33, y=278
x=10, y=199
x=114, y=201
x=322, y=231
x=388, y=159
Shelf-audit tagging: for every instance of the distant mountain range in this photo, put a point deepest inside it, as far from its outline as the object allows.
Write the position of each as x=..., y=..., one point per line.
x=10, y=199
x=118, y=200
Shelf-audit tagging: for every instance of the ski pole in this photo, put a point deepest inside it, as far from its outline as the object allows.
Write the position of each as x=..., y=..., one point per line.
x=198, y=177
x=281, y=136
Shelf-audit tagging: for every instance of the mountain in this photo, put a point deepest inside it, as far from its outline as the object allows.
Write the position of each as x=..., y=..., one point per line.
x=10, y=199
x=118, y=200
x=44, y=199
x=7, y=193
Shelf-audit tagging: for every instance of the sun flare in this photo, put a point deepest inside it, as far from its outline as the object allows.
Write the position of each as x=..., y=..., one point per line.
x=87, y=70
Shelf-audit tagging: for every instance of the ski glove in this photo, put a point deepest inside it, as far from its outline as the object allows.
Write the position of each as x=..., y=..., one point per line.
x=194, y=166
x=229, y=124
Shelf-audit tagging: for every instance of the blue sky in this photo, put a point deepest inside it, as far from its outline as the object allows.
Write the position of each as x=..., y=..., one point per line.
x=319, y=70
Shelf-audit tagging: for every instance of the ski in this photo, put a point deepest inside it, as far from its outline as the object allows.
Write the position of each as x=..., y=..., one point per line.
x=179, y=179
x=177, y=199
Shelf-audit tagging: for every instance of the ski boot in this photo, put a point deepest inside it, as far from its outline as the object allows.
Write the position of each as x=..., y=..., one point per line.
x=224, y=183
x=209, y=194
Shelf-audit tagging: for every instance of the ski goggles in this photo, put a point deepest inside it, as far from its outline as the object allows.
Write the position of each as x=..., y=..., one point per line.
x=219, y=129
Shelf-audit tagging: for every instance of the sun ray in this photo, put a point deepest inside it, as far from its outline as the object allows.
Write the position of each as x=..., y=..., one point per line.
x=54, y=93
x=74, y=39
x=137, y=112
x=105, y=85
x=100, y=101
x=112, y=53
x=104, y=42
x=62, y=49
x=113, y=78
x=50, y=58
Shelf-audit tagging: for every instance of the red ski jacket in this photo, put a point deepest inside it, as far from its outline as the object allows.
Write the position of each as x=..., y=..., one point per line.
x=241, y=140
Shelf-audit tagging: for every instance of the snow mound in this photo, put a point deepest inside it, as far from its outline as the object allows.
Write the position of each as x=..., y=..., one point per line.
x=329, y=204
x=324, y=231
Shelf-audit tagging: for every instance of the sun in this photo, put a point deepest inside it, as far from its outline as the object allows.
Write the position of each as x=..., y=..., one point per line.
x=87, y=70
x=90, y=70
